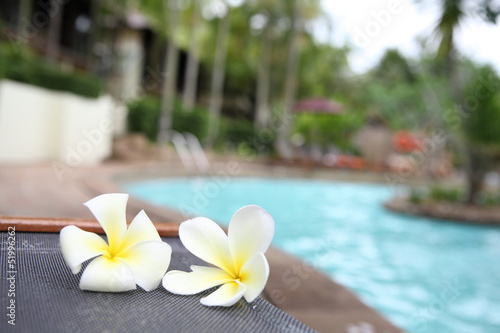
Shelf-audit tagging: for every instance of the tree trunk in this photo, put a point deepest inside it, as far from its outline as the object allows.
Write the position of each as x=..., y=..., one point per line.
x=475, y=174
x=169, y=86
x=23, y=14
x=218, y=74
x=283, y=147
x=54, y=34
x=263, y=114
x=191, y=82
x=153, y=81
x=94, y=34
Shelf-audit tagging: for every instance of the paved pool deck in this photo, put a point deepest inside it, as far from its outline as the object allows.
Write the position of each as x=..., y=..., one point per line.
x=56, y=190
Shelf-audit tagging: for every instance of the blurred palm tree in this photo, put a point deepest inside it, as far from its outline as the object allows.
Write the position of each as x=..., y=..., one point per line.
x=218, y=73
x=449, y=20
x=263, y=108
x=283, y=144
x=191, y=80
x=255, y=66
x=302, y=12
x=169, y=86
x=452, y=14
x=164, y=17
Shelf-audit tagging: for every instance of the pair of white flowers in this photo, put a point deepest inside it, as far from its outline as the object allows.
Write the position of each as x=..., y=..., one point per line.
x=138, y=256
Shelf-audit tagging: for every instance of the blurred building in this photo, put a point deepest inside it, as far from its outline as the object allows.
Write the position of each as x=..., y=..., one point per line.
x=103, y=38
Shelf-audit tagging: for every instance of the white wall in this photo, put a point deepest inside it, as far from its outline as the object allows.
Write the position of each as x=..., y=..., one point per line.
x=39, y=125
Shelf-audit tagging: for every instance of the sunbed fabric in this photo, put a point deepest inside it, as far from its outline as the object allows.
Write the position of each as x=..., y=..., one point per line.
x=47, y=299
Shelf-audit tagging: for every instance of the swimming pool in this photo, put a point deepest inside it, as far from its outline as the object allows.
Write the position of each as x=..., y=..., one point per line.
x=424, y=275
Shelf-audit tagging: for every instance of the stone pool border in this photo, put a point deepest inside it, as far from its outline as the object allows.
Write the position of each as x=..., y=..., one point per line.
x=446, y=211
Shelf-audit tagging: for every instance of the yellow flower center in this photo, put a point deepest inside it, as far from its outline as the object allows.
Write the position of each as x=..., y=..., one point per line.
x=109, y=254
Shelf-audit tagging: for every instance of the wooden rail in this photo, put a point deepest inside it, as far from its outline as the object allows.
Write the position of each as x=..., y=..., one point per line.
x=38, y=224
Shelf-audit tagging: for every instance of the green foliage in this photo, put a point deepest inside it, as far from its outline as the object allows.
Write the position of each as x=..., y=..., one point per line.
x=235, y=131
x=417, y=195
x=436, y=193
x=241, y=135
x=22, y=66
x=481, y=104
x=235, y=134
x=321, y=71
x=144, y=115
x=321, y=77
x=78, y=83
x=406, y=97
x=399, y=105
x=439, y=193
x=393, y=68
x=451, y=15
x=491, y=199
x=327, y=129
x=194, y=122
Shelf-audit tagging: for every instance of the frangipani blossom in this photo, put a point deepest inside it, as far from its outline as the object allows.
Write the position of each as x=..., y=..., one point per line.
x=241, y=267
x=136, y=255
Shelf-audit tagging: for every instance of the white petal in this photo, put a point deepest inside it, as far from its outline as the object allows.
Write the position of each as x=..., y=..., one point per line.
x=206, y=240
x=201, y=278
x=148, y=261
x=250, y=231
x=141, y=229
x=227, y=295
x=109, y=210
x=253, y=275
x=105, y=274
x=78, y=246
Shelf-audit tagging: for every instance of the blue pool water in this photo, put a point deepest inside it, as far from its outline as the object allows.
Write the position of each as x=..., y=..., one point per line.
x=424, y=275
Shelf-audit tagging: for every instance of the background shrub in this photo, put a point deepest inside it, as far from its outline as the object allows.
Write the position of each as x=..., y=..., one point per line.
x=144, y=117
x=235, y=134
x=26, y=67
x=326, y=129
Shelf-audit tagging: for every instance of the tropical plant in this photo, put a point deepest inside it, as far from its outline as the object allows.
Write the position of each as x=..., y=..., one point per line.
x=453, y=12
x=481, y=126
x=22, y=65
x=191, y=80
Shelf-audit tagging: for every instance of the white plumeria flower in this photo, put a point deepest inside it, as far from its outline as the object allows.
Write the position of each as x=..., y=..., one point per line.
x=136, y=255
x=241, y=267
